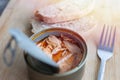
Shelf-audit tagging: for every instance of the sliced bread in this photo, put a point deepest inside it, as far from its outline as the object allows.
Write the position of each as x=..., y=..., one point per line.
x=65, y=10
x=79, y=25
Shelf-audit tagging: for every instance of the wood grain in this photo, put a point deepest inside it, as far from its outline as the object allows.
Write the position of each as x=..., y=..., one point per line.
x=18, y=14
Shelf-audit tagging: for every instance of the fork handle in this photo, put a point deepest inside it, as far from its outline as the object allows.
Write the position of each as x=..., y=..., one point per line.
x=101, y=70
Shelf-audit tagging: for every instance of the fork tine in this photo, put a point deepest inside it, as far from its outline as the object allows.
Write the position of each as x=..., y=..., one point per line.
x=102, y=34
x=106, y=34
x=108, y=44
x=113, y=40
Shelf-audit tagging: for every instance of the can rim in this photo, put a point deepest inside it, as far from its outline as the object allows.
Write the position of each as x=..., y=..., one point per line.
x=80, y=65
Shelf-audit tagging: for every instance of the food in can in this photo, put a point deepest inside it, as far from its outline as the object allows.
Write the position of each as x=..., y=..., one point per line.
x=63, y=50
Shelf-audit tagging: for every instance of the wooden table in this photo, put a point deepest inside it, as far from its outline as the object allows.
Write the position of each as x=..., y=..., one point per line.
x=18, y=14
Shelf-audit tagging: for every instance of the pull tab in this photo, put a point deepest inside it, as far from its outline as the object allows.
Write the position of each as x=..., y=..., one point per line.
x=9, y=52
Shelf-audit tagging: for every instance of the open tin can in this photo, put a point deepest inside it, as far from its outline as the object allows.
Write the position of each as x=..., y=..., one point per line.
x=36, y=70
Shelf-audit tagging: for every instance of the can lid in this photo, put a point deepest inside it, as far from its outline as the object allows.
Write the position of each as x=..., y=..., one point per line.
x=31, y=48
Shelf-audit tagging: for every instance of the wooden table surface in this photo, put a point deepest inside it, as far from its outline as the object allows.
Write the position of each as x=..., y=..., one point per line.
x=18, y=14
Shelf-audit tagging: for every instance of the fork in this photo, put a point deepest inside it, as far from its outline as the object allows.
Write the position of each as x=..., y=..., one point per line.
x=105, y=48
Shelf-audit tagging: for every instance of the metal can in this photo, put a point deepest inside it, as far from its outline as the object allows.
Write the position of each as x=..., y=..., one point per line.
x=35, y=68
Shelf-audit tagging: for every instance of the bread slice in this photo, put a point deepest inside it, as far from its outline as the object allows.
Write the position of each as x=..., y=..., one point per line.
x=65, y=10
x=79, y=25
